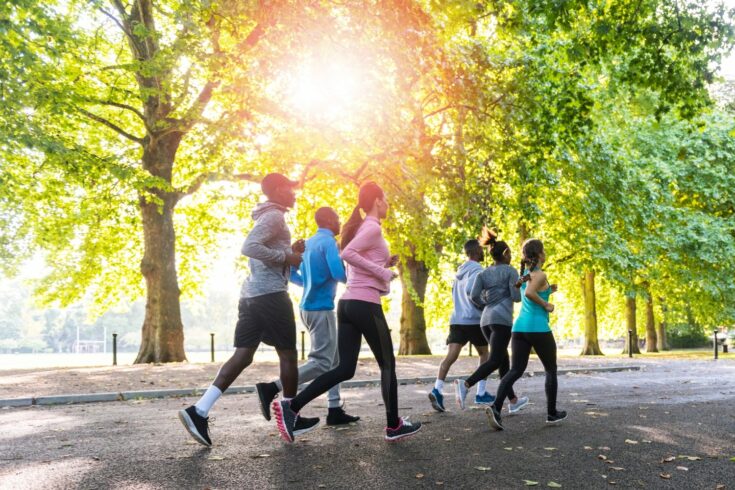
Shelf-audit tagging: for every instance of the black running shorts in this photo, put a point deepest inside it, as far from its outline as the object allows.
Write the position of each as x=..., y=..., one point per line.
x=461, y=334
x=268, y=318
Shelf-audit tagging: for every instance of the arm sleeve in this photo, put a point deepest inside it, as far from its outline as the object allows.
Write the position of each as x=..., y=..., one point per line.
x=334, y=263
x=256, y=244
x=476, y=291
x=515, y=293
x=296, y=277
x=364, y=239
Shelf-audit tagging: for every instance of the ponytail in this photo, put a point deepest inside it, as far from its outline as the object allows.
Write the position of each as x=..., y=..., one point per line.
x=369, y=193
x=349, y=230
x=498, y=249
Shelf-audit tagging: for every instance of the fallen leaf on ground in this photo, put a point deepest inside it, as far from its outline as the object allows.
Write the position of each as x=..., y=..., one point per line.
x=665, y=476
x=732, y=459
x=260, y=456
x=482, y=468
x=553, y=484
x=603, y=448
x=720, y=486
x=508, y=448
x=602, y=457
x=646, y=441
x=682, y=468
x=669, y=459
x=631, y=441
x=530, y=483
x=550, y=448
x=419, y=475
x=617, y=468
x=588, y=448
x=216, y=458
x=440, y=483
x=447, y=439
x=690, y=458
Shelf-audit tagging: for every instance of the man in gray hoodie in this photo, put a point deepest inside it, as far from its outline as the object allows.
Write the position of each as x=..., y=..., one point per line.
x=464, y=325
x=265, y=312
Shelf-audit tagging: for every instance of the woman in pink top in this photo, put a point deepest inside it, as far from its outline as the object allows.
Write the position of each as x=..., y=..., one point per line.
x=359, y=313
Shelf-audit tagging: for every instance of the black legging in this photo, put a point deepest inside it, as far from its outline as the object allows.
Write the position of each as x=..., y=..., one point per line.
x=545, y=346
x=498, y=338
x=354, y=319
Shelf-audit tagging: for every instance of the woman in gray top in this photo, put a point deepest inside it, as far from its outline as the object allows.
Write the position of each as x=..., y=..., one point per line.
x=494, y=291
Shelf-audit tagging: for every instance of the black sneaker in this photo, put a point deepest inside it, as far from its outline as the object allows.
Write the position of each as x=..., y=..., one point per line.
x=304, y=425
x=556, y=418
x=493, y=416
x=285, y=419
x=404, y=429
x=197, y=425
x=338, y=416
x=267, y=392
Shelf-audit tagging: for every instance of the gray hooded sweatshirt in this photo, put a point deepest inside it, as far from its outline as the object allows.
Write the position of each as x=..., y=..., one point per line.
x=266, y=246
x=494, y=291
x=465, y=313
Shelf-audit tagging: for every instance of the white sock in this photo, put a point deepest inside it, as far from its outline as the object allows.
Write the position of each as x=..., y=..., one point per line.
x=439, y=385
x=481, y=387
x=205, y=403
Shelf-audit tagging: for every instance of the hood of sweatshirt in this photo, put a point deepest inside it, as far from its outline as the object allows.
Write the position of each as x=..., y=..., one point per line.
x=264, y=207
x=467, y=269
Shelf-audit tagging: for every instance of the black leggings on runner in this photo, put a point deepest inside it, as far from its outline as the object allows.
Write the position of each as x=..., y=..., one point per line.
x=545, y=346
x=499, y=339
x=356, y=319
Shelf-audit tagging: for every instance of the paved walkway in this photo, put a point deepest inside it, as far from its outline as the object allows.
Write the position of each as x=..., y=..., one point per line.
x=670, y=425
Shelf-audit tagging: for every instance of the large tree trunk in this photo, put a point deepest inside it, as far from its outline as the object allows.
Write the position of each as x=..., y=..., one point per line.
x=414, y=277
x=630, y=323
x=163, y=331
x=661, y=341
x=650, y=326
x=591, y=344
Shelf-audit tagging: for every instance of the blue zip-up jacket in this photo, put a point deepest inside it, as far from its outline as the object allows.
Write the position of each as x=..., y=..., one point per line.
x=320, y=271
x=465, y=312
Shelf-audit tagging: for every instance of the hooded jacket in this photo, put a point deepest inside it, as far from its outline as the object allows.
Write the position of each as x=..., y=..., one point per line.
x=494, y=290
x=266, y=246
x=465, y=312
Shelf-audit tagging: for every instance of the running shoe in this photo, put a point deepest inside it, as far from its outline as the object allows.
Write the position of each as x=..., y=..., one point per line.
x=484, y=399
x=338, y=416
x=556, y=418
x=267, y=392
x=493, y=416
x=285, y=419
x=197, y=425
x=460, y=392
x=437, y=400
x=404, y=429
x=304, y=425
x=516, y=407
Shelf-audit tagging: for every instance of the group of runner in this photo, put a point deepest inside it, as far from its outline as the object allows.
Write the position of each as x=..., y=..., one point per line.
x=483, y=314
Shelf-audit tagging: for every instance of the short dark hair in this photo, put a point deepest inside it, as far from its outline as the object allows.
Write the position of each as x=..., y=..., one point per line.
x=324, y=214
x=472, y=247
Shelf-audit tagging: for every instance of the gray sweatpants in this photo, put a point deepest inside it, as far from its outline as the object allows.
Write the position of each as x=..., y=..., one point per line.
x=323, y=356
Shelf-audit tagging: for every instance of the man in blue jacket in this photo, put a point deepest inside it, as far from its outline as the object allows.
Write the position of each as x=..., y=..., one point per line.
x=319, y=273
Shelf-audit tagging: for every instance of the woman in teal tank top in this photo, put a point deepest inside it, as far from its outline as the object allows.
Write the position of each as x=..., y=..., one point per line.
x=531, y=331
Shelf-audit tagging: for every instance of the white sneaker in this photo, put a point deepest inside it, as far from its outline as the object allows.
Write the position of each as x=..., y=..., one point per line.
x=460, y=392
x=516, y=407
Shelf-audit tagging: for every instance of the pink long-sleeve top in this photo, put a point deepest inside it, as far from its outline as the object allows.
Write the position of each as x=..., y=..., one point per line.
x=367, y=256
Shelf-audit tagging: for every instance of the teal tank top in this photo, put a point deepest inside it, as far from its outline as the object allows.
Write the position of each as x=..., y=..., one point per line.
x=532, y=318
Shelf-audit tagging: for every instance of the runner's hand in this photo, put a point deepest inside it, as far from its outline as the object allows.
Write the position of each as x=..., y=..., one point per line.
x=394, y=275
x=299, y=246
x=554, y=288
x=549, y=307
x=393, y=261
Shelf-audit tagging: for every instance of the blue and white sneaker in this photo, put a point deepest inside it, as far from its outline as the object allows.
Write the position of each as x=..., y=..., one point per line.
x=460, y=392
x=516, y=407
x=437, y=400
x=484, y=399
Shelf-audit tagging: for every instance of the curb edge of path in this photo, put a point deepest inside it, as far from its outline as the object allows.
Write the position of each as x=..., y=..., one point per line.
x=74, y=399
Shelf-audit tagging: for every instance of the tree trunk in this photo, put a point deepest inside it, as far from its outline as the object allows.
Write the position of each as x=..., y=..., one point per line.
x=650, y=326
x=591, y=344
x=661, y=341
x=163, y=331
x=631, y=323
x=414, y=277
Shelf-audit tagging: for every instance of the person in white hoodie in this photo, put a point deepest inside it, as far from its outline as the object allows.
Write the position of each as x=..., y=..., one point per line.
x=464, y=326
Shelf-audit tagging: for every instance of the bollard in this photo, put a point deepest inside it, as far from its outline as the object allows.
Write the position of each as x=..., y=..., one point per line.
x=303, y=337
x=211, y=345
x=714, y=341
x=470, y=349
x=114, y=349
x=630, y=343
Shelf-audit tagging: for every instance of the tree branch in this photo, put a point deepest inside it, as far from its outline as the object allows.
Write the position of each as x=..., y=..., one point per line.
x=112, y=126
x=216, y=176
x=108, y=14
x=120, y=105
